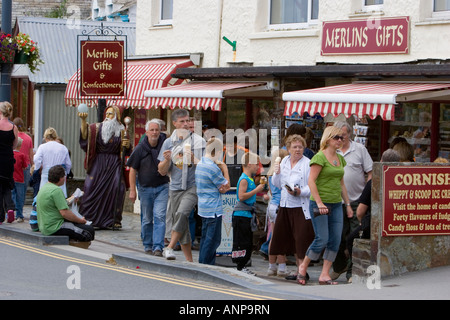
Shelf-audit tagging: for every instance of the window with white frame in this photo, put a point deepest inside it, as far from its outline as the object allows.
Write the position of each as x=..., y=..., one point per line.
x=441, y=5
x=294, y=13
x=441, y=9
x=372, y=5
x=166, y=9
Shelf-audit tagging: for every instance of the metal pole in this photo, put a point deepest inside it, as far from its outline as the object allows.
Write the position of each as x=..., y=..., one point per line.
x=5, y=84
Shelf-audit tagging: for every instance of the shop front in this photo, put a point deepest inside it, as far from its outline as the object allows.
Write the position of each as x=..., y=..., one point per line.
x=416, y=111
x=141, y=75
x=240, y=108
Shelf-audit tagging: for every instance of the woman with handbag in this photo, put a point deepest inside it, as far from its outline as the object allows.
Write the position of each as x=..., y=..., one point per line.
x=293, y=231
x=327, y=191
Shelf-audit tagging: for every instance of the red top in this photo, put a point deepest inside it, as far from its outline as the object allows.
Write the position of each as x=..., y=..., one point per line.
x=19, y=166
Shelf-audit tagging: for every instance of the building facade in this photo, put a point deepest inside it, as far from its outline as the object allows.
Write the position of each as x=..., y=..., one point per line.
x=306, y=44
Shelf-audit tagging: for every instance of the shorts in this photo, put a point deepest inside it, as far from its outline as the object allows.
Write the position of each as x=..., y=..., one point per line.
x=180, y=207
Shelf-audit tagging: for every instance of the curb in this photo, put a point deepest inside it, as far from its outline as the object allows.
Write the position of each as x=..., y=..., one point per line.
x=32, y=236
x=191, y=270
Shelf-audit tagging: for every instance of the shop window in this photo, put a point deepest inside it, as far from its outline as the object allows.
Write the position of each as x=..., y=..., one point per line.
x=444, y=132
x=166, y=8
x=293, y=13
x=254, y=114
x=413, y=122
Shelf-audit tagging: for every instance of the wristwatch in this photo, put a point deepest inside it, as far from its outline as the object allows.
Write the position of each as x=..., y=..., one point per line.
x=348, y=204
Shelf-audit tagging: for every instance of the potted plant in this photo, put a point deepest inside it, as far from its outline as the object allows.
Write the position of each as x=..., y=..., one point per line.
x=27, y=52
x=7, y=48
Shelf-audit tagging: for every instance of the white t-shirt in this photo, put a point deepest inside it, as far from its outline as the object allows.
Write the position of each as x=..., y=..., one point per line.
x=359, y=162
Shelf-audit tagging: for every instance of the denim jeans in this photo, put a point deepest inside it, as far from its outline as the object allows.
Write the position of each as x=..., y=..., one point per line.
x=328, y=230
x=18, y=196
x=153, y=211
x=210, y=240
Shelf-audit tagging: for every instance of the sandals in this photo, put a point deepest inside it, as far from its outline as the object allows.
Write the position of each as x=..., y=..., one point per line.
x=302, y=280
x=328, y=282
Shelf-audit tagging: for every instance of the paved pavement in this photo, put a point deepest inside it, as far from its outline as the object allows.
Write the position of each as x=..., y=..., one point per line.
x=125, y=247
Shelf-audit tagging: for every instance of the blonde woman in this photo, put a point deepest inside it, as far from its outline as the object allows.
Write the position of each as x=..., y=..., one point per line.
x=327, y=188
x=49, y=154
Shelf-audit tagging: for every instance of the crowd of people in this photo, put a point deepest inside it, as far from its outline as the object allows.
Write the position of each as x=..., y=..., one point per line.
x=317, y=203
x=311, y=211
x=47, y=170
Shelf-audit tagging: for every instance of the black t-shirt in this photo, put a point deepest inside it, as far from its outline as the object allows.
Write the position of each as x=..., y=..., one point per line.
x=144, y=160
x=366, y=195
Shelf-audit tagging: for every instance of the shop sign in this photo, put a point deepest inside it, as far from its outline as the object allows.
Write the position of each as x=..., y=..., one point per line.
x=102, y=68
x=368, y=36
x=228, y=202
x=416, y=200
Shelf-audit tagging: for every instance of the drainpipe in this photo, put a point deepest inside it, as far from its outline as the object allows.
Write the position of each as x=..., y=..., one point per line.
x=219, y=32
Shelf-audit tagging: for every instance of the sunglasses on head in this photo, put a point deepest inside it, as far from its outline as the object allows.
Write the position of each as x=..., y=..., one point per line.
x=338, y=138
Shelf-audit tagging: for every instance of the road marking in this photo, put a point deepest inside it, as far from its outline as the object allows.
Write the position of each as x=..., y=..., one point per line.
x=138, y=273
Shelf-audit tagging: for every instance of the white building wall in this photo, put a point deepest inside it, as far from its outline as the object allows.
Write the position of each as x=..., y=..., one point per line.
x=199, y=25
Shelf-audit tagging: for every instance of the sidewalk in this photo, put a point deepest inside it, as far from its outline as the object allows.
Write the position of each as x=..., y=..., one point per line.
x=126, y=248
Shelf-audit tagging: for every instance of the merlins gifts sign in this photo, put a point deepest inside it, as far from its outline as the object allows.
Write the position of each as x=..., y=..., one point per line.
x=102, y=68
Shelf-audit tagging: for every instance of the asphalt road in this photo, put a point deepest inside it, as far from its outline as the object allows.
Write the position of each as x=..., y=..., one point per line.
x=47, y=273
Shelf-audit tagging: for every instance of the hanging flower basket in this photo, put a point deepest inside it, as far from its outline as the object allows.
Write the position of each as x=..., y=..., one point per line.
x=20, y=58
x=7, y=48
x=28, y=52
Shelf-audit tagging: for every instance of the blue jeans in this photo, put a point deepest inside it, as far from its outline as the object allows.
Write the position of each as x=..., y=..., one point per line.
x=328, y=230
x=18, y=196
x=153, y=211
x=210, y=240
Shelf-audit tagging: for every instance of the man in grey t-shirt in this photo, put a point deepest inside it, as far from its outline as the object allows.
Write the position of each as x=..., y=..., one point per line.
x=359, y=165
x=178, y=157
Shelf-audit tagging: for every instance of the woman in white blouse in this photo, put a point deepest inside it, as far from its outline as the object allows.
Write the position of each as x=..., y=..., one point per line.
x=49, y=154
x=293, y=232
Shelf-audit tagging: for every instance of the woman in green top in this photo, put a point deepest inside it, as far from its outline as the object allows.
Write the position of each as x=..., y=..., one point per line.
x=327, y=191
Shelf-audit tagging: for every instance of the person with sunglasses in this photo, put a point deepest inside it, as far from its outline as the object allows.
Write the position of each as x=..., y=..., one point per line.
x=326, y=183
x=357, y=172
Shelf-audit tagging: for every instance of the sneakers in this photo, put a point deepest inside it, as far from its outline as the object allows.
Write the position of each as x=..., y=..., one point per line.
x=157, y=253
x=168, y=254
x=248, y=271
x=282, y=273
x=271, y=272
x=10, y=216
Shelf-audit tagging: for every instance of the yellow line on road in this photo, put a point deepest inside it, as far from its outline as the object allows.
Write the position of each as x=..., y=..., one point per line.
x=139, y=273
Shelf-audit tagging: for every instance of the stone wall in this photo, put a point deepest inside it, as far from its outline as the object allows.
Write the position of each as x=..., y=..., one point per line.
x=42, y=8
x=395, y=255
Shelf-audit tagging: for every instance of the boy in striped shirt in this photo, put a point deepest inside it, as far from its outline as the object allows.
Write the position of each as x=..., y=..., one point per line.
x=211, y=179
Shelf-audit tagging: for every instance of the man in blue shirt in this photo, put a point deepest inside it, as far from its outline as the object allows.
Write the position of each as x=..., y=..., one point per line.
x=212, y=179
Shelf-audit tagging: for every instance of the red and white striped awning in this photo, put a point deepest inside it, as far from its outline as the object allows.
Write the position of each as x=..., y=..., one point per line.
x=142, y=75
x=361, y=98
x=199, y=95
